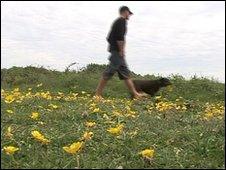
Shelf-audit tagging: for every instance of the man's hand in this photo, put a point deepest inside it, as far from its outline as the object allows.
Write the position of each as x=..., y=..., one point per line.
x=121, y=46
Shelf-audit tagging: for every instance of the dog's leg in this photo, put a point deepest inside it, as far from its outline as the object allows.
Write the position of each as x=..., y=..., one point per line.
x=150, y=92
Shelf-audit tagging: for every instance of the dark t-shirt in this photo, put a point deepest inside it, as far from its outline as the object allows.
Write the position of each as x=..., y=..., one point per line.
x=117, y=33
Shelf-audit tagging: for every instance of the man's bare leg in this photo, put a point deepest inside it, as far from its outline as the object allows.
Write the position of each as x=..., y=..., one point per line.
x=131, y=87
x=100, y=87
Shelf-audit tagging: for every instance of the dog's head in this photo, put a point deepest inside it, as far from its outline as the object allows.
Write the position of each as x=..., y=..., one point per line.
x=165, y=82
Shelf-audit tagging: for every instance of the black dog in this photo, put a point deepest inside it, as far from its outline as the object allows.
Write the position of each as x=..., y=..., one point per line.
x=150, y=86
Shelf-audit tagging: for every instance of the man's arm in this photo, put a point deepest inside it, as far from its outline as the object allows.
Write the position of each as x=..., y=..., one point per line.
x=120, y=38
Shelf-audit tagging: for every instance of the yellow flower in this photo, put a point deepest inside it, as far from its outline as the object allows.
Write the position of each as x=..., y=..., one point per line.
x=9, y=150
x=38, y=136
x=117, y=130
x=60, y=93
x=83, y=92
x=131, y=115
x=149, y=153
x=34, y=115
x=98, y=98
x=9, y=99
x=29, y=89
x=158, y=97
x=87, y=136
x=178, y=107
x=90, y=124
x=16, y=89
x=45, y=95
x=184, y=108
x=208, y=115
x=9, y=111
x=116, y=113
x=73, y=148
x=53, y=106
x=28, y=94
x=9, y=132
x=41, y=123
x=39, y=85
x=128, y=108
x=96, y=110
x=93, y=104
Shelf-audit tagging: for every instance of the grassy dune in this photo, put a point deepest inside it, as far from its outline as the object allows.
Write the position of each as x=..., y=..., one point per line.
x=182, y=127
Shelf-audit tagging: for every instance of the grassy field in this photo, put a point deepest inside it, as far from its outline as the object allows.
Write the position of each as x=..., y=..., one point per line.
x=49, y=119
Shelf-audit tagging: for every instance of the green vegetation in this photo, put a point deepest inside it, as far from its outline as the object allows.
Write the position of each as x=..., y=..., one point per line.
x=185, y=127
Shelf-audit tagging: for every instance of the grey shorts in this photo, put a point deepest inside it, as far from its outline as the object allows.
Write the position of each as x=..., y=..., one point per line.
x=116, y=64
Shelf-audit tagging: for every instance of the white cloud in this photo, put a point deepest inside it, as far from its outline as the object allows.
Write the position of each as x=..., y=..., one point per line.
x=163, y=37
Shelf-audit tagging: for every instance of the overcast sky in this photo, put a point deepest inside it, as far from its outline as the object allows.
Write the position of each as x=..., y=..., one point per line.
x=163, y=37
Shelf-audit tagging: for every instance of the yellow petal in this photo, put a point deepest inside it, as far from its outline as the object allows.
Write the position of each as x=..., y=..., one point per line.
x=90, y=124
x=73, y=148
x=10, y=149
x=34, y=115
x=147, y=153
x=87, y=135
x=9, y=111
x=115, y=130
x=38, y=136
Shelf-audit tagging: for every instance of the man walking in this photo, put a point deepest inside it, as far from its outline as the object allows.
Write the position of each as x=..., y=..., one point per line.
x=116, y=40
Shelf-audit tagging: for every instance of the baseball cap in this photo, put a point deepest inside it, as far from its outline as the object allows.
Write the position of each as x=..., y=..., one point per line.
x=125, y=8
